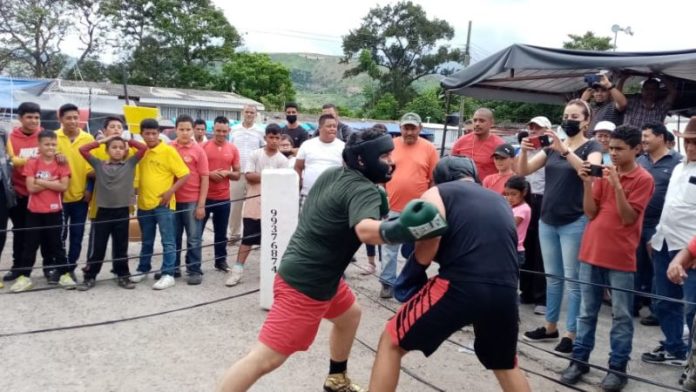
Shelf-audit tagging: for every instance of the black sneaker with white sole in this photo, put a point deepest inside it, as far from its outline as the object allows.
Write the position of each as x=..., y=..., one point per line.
x=540, y=335
x=660, y=356
x=565, y=346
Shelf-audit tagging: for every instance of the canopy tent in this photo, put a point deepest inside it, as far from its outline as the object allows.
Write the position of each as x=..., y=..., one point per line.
x=543, y=75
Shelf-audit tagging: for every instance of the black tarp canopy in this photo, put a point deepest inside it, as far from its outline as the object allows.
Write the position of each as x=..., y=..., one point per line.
x=534, y=74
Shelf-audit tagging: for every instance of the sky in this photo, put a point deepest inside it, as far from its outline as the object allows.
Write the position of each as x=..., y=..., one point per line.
x=317, y=27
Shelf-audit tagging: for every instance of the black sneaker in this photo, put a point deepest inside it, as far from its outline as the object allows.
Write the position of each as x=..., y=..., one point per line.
x=194, y=279
x=660, y=356
x=613, y=382
x=386, y=292
x=650, y=321
x=565, y=346
x=52, y=277
x=222, y=266
x=125, y=283
x=10, y=276
x=540, y=335
x=87, y=284
x=572, y=374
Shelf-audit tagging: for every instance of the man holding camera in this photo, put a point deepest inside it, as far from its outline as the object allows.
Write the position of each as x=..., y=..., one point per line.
x=614, y=200
x=649, y=106
x=606, y=101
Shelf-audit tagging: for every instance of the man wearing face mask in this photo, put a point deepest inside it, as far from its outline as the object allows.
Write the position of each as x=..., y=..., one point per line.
x=298, y=134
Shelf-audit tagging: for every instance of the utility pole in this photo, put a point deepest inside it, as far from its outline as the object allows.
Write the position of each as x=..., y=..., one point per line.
x=467, y=61
x=467, y=51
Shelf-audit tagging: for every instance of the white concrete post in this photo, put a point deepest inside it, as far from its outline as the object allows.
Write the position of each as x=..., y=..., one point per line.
x=280, y=204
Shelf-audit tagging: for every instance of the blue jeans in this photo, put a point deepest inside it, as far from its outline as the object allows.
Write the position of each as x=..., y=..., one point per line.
x=185, y=220
x=621, y=334
x=390, y=253
x=644, y=268
x=220, y=209
x=149, y=220
x=671, y=314
x=74, y=217
x=559, y=248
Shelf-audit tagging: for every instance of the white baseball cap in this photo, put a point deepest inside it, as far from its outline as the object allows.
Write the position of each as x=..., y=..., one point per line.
x=606, y=126
x=541, y=121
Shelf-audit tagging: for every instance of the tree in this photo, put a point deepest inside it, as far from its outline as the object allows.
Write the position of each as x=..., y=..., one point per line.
x=397, y=45
x=32, y=32
x=589, y=41
x=428, y=105
x=386, y=108
x=256, y=76
x=174, y=43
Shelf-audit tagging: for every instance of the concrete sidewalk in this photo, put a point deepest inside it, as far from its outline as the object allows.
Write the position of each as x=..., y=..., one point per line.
x=189, y=350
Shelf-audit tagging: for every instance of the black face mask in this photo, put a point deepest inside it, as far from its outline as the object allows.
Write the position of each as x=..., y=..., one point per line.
x=287, y=153
x=571, y=127
x=291, y=118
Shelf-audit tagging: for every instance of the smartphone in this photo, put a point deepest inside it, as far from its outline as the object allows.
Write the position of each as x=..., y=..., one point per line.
x=540, y=141
x=592, y=80
x=596, y=171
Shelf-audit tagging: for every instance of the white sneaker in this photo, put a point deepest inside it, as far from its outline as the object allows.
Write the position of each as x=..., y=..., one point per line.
x=22, y=283
x=138, y=277
x=235, y=276
x=165, y=282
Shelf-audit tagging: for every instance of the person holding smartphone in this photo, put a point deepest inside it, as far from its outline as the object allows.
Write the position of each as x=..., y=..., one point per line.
x=614, y=202
x=562, y=218
x=533, y=286
x=606, y=101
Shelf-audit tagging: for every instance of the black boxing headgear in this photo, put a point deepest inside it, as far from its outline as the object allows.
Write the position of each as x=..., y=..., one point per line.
x=452, y=168
x=364, y=157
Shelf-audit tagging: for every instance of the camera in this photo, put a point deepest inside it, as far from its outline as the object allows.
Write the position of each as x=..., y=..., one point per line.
x=593, y=80
x=596, y=171
x=540, y=141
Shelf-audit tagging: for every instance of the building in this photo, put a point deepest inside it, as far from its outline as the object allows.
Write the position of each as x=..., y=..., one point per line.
x=107, y=99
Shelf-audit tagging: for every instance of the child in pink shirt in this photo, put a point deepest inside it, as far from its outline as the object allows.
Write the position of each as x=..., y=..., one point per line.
x=517, y=194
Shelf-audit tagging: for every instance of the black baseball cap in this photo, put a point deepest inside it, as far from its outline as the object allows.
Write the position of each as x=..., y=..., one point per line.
x=505, y=150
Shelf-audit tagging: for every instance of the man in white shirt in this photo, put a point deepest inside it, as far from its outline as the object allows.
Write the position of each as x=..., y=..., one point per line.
x=318, y=154
x=247, y=137
x=676, y=228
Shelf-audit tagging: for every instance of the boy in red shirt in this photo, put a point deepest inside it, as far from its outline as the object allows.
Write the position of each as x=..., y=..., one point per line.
x=615, y=205
x=190, y=200
x=46, y=180
x=504, y=159
x=22, y=144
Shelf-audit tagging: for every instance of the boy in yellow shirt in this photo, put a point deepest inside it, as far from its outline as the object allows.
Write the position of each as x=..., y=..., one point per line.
x=162, y=173
x=75, y=199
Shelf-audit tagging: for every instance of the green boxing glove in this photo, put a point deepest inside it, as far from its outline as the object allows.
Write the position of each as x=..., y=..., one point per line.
x=384, y=207
x=419, y=220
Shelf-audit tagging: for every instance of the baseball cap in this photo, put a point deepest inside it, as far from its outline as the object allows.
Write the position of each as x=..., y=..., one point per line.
x=607, y=126
x=410, y=118
x=505, y=150
x=541, y=121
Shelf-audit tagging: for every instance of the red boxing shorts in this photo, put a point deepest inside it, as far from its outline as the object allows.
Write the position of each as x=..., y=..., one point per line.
x=293, y=321
x=443, y=307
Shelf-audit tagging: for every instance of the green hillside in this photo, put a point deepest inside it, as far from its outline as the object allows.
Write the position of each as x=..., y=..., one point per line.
x=318, y=79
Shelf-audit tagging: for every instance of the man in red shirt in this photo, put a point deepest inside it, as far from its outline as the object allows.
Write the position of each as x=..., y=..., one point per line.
x=190, y=200
x=480, y=144
x=414, y=159
x=615, y=205
x=223, y=166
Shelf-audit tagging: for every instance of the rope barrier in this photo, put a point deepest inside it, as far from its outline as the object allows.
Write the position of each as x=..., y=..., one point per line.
x=56, y=287
x=92, y=222
x=636, y=292
x=110, y=261
x=140, y=317
x=635, y=378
